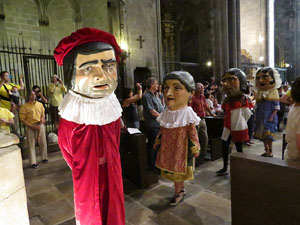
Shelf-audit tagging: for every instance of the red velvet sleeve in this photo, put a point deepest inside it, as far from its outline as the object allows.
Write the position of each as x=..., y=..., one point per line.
x=64, y=141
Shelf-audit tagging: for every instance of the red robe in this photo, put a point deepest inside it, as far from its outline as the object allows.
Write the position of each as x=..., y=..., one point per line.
x=92, y=152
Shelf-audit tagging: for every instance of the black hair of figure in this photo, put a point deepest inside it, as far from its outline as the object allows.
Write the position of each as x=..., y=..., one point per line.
x=267, y=70
x=69, y=61
x=207, y=95
x=241, y=76
x=35, y=86
x=3, y=72
x=125, y=93
x=296, y=90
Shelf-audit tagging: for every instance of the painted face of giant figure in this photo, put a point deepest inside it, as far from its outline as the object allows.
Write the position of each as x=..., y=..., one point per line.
x=234, y=82
x=264, y=80
x=96, y=74
x=230, y=84
x=179, y=87
x=176, y=95
x=89, y=57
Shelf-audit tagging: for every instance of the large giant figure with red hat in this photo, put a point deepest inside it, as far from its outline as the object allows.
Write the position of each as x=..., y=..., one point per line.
x=89, y=128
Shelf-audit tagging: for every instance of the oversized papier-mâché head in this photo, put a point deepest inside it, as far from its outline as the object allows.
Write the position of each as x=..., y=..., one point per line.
x=234, y=82
x=89, y=57
x=178, y=87
x=266, y=78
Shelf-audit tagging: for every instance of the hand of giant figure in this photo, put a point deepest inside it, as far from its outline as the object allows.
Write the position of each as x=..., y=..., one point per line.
x=89, y=130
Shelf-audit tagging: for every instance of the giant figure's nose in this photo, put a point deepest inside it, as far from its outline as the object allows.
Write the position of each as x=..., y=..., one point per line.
x=99, y=75
x=170, y=92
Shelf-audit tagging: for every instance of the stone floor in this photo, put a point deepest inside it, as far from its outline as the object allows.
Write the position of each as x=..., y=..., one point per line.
x=50, y=195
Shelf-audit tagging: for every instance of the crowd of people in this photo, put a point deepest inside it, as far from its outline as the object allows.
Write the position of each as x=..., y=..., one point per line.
x=268, y=102
x=146, y=106
x=30, y=111
x=266, y=105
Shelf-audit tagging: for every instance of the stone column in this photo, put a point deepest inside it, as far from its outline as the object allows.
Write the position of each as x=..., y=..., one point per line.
x=13, y=202
x=159, y=42
x=168, y=26
x=2, y=21
x=220, y=42
x=295, y=71
x=270, y=53
x=234, y=33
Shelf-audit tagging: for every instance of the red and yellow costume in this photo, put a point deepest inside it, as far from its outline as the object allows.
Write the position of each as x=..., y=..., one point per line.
x=178, y=140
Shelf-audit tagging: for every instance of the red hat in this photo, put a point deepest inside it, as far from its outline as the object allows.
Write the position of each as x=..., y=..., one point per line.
x=82, y=36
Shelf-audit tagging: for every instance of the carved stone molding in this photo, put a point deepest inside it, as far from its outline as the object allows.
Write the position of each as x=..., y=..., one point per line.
x=2, y=15
x=43, y=11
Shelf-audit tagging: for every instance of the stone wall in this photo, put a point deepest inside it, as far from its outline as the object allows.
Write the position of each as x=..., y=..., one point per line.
x=13, y=202
x=253, y=22
x=287, y=36
x=95, y=14
x=141, y=19
x=127, y=20
x=21, y=20
x=61, y=21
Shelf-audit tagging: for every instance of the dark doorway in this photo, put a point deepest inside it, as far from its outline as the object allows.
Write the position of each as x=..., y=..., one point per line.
x=141, y=74
x=189, y=44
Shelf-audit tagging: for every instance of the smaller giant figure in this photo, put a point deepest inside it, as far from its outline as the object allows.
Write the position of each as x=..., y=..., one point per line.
x=89, y=129
x=237, y=111
x=177, y=137
x=267, y=80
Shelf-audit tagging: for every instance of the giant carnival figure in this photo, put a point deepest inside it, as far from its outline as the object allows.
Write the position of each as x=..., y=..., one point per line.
x=89, y=129
x=237, y=111
x=177, y=140
x=267, y=80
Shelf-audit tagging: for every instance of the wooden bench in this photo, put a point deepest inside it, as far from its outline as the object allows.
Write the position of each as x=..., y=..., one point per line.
x=264, y=191
x=133, y=153
x=214, y=132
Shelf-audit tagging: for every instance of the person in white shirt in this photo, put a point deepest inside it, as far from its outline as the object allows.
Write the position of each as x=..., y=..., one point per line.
x=293, y=125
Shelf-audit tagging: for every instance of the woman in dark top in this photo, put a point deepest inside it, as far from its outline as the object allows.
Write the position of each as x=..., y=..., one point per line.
x=39, y=95
x=130, y=113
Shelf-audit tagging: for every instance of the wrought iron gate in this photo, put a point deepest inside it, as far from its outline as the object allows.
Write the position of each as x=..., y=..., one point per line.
x=37, y=69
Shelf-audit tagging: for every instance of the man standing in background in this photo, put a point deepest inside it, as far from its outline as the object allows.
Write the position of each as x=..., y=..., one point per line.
x=56, y=90
x=152, y=108
x=200, y=107
x=32, y=115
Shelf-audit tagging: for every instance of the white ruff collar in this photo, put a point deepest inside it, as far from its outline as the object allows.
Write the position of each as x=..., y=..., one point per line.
x=90, y=111
x=178, y=118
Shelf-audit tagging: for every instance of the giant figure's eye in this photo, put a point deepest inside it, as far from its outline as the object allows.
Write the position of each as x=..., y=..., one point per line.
x=108, y=66
x=87, y=69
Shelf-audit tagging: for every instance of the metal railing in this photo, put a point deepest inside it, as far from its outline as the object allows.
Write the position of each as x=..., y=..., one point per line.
x=37, y=69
